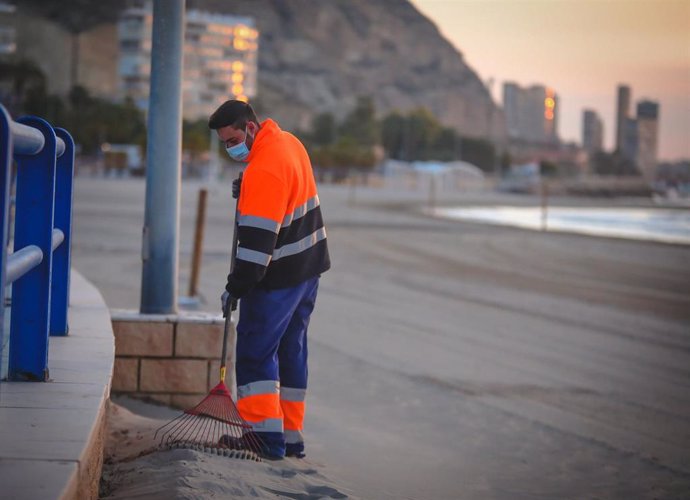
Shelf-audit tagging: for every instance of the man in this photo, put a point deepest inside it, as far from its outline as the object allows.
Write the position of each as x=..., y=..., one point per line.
x=281, y=254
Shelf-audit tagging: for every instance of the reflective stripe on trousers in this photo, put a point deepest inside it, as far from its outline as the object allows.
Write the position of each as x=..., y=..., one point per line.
x=259, y=404
x=292, y=404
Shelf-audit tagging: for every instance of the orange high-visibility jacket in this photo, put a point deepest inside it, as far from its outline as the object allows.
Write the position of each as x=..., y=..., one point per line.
x=281, y=234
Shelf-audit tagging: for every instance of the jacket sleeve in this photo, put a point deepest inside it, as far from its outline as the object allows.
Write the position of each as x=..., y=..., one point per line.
x=263, y=204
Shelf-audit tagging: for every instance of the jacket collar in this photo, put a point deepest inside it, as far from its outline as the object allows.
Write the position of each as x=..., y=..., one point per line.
x=268, y=130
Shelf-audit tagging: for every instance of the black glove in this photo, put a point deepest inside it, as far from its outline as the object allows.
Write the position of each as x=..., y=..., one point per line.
x=236, y=186
x=224, y=302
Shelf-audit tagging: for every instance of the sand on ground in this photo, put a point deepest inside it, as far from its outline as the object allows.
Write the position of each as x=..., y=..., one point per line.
x=135, y=467
x=460, y=360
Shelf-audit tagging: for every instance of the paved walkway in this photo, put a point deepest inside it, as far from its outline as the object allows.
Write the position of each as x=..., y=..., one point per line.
x=51, y=433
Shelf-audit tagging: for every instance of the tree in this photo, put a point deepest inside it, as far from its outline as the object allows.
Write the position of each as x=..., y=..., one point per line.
x=323, y=129
x=479, y=152
x=195, y=136
x=361, y=123
x=548, y=168
x=393, y=135
x=613, y=164
x=505, y=161
x=93, y=121
x=420, y=130
x=445, y=145
x=90, y=120
x=419, y=136
x=25, y=80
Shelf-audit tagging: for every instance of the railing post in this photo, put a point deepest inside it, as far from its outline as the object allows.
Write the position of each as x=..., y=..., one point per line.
x=35, y=192
x=5, y=178
x=59, y=294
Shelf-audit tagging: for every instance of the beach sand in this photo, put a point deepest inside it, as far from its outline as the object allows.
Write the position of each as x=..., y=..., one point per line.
x=451, y=359
x=135, y=468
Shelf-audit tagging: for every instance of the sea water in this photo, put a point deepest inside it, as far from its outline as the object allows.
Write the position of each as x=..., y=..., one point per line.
x=654, y=224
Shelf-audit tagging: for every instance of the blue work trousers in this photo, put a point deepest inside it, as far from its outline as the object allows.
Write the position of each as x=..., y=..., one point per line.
x=271, y=362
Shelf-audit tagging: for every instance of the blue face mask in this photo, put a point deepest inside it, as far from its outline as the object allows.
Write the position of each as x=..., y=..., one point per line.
x=239, y=152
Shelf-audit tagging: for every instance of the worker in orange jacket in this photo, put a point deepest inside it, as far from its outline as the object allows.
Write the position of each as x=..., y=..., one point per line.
x=281, y=254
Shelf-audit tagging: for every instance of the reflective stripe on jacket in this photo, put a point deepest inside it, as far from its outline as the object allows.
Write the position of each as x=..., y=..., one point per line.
x=282, y=237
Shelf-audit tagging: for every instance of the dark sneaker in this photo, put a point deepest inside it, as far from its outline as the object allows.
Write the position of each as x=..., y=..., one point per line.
x=272, y=458
x=251, y=442
x=271, y=444
x=295, y=450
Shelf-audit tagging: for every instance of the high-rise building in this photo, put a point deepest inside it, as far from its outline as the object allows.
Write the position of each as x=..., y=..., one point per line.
x=622, y=114
x=640, y=138
x=134, y=34
x=592, y=131
x=629, y=140
x=512, y=107
x=647, y=137
x=220, y=59
x=531, y=113
x=8, y=35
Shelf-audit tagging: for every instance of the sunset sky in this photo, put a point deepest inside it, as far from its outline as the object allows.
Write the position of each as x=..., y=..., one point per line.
x=582, y=49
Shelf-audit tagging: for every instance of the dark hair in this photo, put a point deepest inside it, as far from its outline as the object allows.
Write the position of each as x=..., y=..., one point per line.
x=233, y=112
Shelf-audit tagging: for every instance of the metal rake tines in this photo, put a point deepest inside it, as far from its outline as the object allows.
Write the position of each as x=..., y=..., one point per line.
x=215, y=423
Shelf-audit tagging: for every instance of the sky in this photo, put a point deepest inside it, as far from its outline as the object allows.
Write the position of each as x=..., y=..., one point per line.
x=583, y=49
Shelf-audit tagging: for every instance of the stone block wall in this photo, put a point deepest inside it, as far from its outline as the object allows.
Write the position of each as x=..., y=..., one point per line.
x=169, y=359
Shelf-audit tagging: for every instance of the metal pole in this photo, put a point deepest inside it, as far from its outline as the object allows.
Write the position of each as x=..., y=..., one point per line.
x=432, y=192
x=544, y=205
x=198, y=241
x=6, y=149
x=160, y=240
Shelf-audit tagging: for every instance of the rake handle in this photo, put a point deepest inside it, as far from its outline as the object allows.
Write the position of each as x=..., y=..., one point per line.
x=233, y=301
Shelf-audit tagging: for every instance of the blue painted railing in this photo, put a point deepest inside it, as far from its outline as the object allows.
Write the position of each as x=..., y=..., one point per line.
x=38, y=269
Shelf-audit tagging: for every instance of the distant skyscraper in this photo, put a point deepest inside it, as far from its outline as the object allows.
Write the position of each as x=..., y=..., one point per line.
x=220, y=59
x=8, y=35
x=622, y=114
x=531, y=113
x=640, y=138
x=647, y=137
x=592, y=131
x=512, y=108
x=629, y=140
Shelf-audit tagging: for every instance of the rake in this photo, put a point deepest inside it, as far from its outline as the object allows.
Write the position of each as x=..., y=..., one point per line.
x=215, y=424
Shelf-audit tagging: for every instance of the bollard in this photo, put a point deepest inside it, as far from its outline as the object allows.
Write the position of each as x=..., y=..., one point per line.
x=352, y=194
x=198, y=241
x=432, y=193
x=544, y=204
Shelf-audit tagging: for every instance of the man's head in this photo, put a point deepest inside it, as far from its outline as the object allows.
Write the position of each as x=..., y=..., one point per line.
x=235, y=123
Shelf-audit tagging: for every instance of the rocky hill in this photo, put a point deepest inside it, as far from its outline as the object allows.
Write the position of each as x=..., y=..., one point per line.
x=321, y=55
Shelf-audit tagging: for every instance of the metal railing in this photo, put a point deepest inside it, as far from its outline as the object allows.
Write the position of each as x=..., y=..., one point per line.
x=38, y=269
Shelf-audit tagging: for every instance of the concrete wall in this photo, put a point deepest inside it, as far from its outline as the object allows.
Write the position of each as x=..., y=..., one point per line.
x=50, y=46
x=51, y=50
x=170, y=359
x=99, y=55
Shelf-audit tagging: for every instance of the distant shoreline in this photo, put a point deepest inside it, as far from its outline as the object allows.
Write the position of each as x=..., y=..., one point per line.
x=655, y=224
